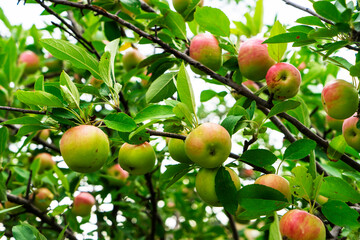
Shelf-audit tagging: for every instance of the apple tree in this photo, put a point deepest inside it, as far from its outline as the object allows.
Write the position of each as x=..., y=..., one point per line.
x=156, y=119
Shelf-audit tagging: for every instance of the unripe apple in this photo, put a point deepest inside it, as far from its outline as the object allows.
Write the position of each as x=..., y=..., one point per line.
x=131, y=59
x=84, y=148
x=321, y=199
x=31, y=60
x=177, y=150
x=351, y=133
x=205, y=184
x=182, y=5
x=254, y=60
x=119, y=175
x=53, y=64
x=43, y=198
x=251, y=85
x=137, y=159
x=208, y=145
x=335, y=124
x=340, y=99
x=44, y=134
x=277, y=182
x=96, y=82
x=46, y=161
x=82, y=204
x=283, y=80
x=205, y=49
x=301, y=225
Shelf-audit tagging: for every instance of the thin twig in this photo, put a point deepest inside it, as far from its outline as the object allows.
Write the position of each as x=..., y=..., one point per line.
x=21, y=110
x=232, y=226
x=153, y=206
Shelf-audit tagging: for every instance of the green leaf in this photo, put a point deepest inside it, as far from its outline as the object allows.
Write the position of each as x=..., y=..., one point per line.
x=337, y=189
x=225, y=190
x=112, y=47
x=62, y=233
x=301, y=183
x=62, y=178
x=162, y=88
x=29, y=129
x=258, y=17
x=213, y=20
x=323, y=32
x=282, y=107
x=301, y=113
x=105, y=69
x=277, y=50
x=287, y=37
x=79, y=57
x=355, y=70
x=336, y=148
x=311, y=20
x=183, y=112
x=59, y=210
x=39, y=83
x=22, y=120
x=154, y=112
x=206, y=95
x=4, y=136
x=176, y=24
x=327, y=10
x=175, y=172
x=72, y=92
x=259, y=157
x=3, y=197
x=339, y=213
x=299, y=149
x=23, y=232
x=39, y=98
x=274, y=233
x=185, y=89
x=120, y=122
x=230, y=122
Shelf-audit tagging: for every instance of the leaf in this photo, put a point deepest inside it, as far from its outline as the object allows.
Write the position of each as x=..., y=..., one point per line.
x=311, y=20
x=299, y=149
x=274, y=233
x=327, y=10
x=58, y=210
x=176, y=24
x=22, y=120
x=39, y=98
x=302, y=112
x=112, y=47
x=258, y=17
x=29, y=129
x=213, y=20
x=339, y=213
x=105, y=69
x=69, y=90
x=62, y=178
x=79, y=57
x=3, y=197
x=225, y=190
x=162, y=88
x=206, y=95
x=259, y=157
x=183, y=113
x=337, y=189
x=62, y=233
x=230, y=122
x=23, y=232
x=301, y=183
x=185, y=89
x=154, y=112
x=175, y=172
x=287, y=37
x=336, y=148
x=4, y=135
x=277, y=50
x=39, y=83
x=282, y=107
x=120, y=122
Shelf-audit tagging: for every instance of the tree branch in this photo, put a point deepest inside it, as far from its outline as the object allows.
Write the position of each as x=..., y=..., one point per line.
x=232, y=225
x=153, y=206
x=21, y=110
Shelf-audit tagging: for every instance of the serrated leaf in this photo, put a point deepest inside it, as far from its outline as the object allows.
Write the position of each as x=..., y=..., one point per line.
x=120, y=122
x=176, y=24
x=154, y=112
x=39, y=98
x=105, y=69
x=259, y=157
x=213, y=20
x=299, y=149
x=277, y=50
x=283, y=107
x=184, y=88
x=225, y=190
x=301, y=183
x=162, y=88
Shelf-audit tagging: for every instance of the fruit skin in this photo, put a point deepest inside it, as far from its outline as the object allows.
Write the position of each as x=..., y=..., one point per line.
x=340, y=99
x=137, y=159
x=182, y=5
x=205, y=49
x=283, y=80
x=321, y=199
x=31, y=60
x=44, y=134
x=351, y=133
x=208, y=145
x=254, y=60
x=82, y=204
x=131, y=59
x=84, y=148
x=46, y=161
x=96, y=82
x=53, y=64
x=251, y=85
x=301, y=225
x=177, y=150
x=277, y=182
x=43, y=198
x=205, y=184
x=335, y=124
x=119, y=175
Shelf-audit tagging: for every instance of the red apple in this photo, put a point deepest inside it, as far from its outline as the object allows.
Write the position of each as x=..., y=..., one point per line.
x=96, y=82
x=31, y=60
x=301, y=225
x=251, y=85
x=335, y=124
x=177, y=150
x=340, y=99
x=53, y=64
x=131, y=59
x=283, y=80
x=42, y=199
x=247, y=173
x=46, y=161
x=118, y=174
x=254, y=60
x=84, y=148
x=82, y=204
x=208, y=145
x=277, y=182
x=137, y=159
x=205, y=49
x=301, y=66
x=351, y=133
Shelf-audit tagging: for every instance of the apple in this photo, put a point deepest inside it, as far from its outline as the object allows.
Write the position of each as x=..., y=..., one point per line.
x=205, y=49
x=46, y=161
x=283, y=80
x=254, y=59
x=251, y=85
x=301, y=66
x=44, y=134
x=131, y=59
x=84, y=148
x=53, y=64
x=301, y=225
x=182, y=5
x=118, y=174
x=277, y=182
x=137, y=159
x=351, y=133
x=340, y=99
x=96, y=82
x=205, y=184
x=82, y=204
x=177, y=150
x=31, y=60
x=208, y=145
x=321, y=199
x=43, y=198
x=335, y=124
x=247, y=173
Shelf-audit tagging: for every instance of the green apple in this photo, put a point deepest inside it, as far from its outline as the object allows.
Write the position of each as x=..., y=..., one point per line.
x=44, y=134
x=84, y=148
x=301, y=225
x=137, y=159
x=31, y=60
x=131, y=59
x=351, y=133
x=334, y=124
x=340, y=99
x=321, y=199
x=42, y=199
x=277, y=182
x=205, y=184
x=208, y=145
x=181, y=6
x=82, y=204
x=53, y=64
x=46, y=161
x=117, y=174
x=177, y=150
